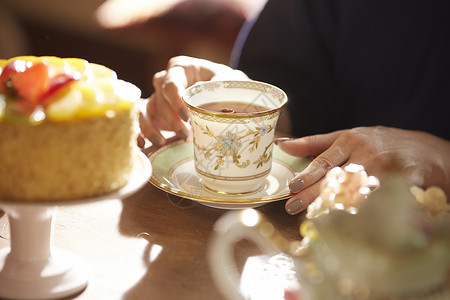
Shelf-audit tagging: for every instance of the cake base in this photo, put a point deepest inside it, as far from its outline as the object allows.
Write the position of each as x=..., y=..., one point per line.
x=31, y=268
x=57, y=161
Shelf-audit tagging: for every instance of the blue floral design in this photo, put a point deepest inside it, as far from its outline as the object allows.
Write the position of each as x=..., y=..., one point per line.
x=228, y=144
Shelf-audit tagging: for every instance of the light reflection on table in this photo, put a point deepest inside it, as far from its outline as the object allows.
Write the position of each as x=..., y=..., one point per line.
x=150, y=244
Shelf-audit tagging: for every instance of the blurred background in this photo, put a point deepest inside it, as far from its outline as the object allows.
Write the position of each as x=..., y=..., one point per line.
x=133, y=37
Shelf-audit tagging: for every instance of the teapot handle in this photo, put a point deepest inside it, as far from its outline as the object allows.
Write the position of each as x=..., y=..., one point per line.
x=229, y=229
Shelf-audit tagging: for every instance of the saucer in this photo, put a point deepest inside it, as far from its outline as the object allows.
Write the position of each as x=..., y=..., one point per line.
x=174, y=172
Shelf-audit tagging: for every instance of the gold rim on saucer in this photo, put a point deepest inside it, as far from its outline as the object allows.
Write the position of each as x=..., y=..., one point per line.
x=174, y=173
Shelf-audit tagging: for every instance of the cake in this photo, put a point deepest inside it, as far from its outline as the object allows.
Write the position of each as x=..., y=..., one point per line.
x=67, y=129
x=390, y=243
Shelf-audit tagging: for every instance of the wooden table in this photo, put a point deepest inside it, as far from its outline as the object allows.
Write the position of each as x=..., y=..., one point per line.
x=148, y=246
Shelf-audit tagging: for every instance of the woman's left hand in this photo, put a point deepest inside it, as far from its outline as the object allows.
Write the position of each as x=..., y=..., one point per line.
x=421, y=158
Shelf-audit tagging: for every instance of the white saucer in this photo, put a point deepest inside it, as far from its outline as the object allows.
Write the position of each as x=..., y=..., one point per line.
x=174, y=172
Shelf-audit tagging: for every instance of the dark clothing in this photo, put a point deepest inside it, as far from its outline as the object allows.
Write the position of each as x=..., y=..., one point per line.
x=349, y=63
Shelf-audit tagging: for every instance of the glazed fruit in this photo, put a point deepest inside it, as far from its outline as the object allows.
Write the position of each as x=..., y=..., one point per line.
x=59, y=89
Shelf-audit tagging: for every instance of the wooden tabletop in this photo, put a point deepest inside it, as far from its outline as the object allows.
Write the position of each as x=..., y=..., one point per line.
x=150, y=245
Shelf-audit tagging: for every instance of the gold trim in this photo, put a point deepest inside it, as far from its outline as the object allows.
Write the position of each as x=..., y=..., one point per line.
x=233, y=178
x=220, y=115
x=255, y=85
x=238, y=118
x=230, y=84
x=231, y=194
x=177, y=192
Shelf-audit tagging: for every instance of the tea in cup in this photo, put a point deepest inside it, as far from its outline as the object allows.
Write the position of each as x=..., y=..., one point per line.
x=233, y=124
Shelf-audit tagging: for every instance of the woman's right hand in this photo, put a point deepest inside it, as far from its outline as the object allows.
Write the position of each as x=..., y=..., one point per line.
x=165, y=109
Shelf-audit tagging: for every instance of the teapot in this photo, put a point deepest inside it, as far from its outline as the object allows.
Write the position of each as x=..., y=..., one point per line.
x=359, y=242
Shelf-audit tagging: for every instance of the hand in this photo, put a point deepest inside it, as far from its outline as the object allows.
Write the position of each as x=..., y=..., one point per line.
x=165, y=109
x=421, y=158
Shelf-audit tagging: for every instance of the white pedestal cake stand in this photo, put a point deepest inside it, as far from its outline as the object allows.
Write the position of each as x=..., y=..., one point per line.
x=31, y=268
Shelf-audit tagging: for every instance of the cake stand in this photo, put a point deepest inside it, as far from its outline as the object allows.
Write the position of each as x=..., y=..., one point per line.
x=31, y=268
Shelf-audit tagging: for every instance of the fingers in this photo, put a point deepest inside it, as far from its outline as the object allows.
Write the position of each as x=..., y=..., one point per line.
x=306, y=185
x=380, y=150
x=170, y=85
x=141, y=141
x=158, y=115
x=163, y=117
x=308, y=146
x=166, y=109
x=149, y=132
x=328, y=152
x=300, y=201
x=318, y=168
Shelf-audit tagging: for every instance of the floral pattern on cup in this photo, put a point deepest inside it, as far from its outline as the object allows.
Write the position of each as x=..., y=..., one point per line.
x=233, y=152
x=230, y=145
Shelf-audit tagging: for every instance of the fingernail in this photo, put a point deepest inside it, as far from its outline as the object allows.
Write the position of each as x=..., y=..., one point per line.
x=296, y=185
x=294, y=207
x=183, y=114
x=183, y=134
x=140, y=141
x=283, y=139
x=156, y=141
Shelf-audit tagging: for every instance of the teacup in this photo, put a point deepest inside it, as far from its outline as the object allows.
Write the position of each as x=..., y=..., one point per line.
x=233, y=124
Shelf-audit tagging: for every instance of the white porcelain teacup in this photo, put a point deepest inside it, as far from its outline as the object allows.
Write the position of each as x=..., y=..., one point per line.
x=233, y=125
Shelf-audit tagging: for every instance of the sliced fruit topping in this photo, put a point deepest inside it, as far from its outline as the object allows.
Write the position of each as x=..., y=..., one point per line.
x=31, y=84
x=66, y=107
x=101, y=71
x=59, y=82
x=8, y=71
x=34, y=89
